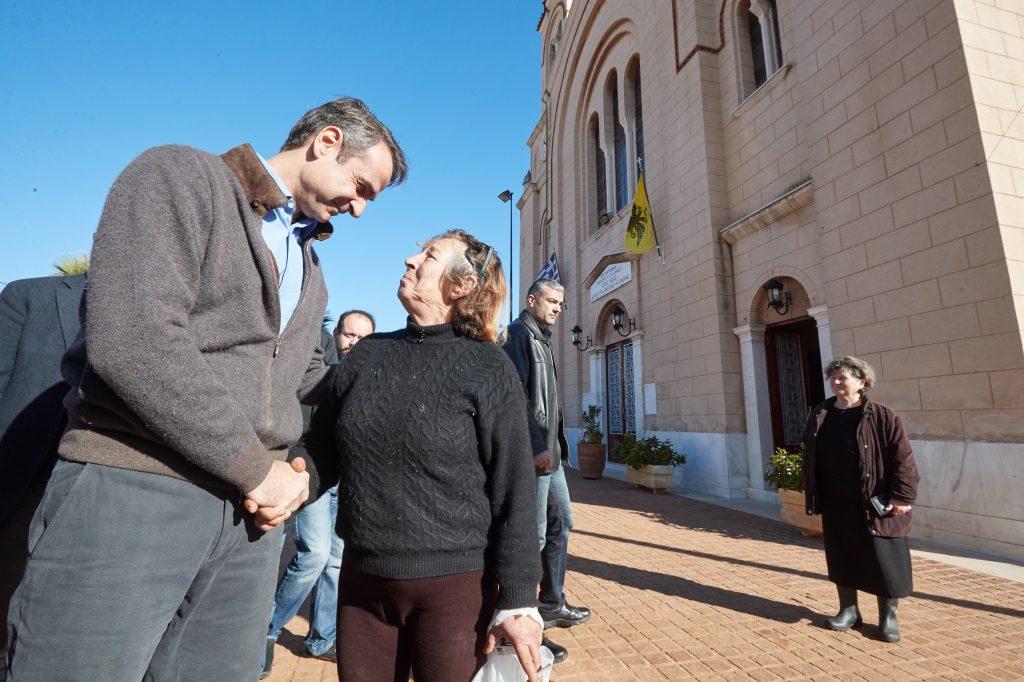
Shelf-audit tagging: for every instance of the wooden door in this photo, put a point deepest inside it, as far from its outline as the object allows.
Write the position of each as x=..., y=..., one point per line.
x=793, y=360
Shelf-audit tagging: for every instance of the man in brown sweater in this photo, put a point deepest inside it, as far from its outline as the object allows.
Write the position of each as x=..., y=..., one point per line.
x=203, y=312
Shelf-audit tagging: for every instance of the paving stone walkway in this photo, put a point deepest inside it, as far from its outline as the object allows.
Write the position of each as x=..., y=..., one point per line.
x=681, y=589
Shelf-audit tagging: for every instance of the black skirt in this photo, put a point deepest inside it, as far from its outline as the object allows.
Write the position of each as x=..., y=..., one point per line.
x=859, y=560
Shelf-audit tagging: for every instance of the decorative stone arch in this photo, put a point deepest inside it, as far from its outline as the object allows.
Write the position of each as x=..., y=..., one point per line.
x=591, y=100
x=571, y=105
x=553, y=36
x=604, y=333
x=754, y=363
x=810, y=284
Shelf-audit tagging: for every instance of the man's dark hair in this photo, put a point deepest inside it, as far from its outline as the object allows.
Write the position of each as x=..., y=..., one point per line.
x=360, y=127
x=341, y=319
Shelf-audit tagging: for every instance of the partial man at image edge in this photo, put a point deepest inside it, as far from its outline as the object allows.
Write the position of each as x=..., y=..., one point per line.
x=38, y=321
x=205, y=304
x=529, y=346
x=315, y=569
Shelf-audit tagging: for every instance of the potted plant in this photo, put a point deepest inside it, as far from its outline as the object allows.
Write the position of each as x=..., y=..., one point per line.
x=650, y=462
x=590, y=449
x=785, y=471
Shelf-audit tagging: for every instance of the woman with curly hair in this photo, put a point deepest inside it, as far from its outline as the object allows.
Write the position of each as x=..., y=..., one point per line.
x=860, y=475
x=427, y=428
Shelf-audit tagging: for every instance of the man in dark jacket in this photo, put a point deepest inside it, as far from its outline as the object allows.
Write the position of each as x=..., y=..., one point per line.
x=529, y=346
x=38, y=321
x=204, y=309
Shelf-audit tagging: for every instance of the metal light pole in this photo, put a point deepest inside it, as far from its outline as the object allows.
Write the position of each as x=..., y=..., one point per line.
x=506, y=197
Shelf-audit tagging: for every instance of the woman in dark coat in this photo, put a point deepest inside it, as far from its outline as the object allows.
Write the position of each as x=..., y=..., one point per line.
x=860, y=475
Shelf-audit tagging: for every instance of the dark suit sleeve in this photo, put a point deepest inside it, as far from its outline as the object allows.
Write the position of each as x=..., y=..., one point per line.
x=12, y=319
x=518, y=349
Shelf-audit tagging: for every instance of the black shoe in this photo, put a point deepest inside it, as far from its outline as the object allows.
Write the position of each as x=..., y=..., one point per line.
x=888, y=626
x=268, y=659
x=560, y=652
x=330, y=655
x=565, y=616
x=849, y=615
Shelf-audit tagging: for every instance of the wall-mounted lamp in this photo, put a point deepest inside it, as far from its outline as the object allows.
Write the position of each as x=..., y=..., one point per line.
x=778, y=300
x=603, y=218
x=577, y=338
x=620, y=321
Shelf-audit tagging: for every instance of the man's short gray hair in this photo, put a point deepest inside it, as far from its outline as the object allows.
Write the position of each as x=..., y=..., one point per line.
x=544, y=283
x=360, y=127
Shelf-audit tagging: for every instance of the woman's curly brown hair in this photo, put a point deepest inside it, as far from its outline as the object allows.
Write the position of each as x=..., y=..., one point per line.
x=476, y=314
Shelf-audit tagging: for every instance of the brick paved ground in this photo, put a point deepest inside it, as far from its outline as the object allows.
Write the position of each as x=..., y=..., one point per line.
x=685, y=590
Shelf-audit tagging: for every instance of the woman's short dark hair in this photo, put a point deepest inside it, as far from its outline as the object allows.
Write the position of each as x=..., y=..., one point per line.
x=361, y=130
x=476, y=314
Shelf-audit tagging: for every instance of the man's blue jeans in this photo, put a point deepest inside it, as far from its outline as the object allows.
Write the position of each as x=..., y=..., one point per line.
x=315, y=567
x=554, y=521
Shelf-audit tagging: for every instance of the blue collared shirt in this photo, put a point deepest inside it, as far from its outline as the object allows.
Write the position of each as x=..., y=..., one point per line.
x=284, y=238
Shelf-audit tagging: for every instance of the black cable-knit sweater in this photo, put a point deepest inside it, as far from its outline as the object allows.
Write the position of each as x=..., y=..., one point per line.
x=428, y=432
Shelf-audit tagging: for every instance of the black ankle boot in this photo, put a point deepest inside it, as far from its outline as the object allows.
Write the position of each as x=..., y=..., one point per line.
x=888, y=626
x=559, y=652
x=849, y=614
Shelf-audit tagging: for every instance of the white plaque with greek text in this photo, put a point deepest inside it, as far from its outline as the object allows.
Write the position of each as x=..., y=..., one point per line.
x=613, y=277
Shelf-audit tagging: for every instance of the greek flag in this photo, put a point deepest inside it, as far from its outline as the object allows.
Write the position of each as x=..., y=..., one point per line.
x=550, y=270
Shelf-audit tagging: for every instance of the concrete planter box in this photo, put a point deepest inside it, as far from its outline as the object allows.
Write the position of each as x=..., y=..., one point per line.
x=658, y=477
x=591, y=457
x=794, y=513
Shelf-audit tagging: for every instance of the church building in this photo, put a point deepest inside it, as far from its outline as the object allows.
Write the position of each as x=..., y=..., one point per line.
x=830, y=178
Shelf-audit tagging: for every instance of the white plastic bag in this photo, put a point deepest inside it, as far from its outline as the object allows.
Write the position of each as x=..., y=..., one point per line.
x=504, y=666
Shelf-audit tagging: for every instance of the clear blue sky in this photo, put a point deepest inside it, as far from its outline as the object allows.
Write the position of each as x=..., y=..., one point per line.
x=86, y=86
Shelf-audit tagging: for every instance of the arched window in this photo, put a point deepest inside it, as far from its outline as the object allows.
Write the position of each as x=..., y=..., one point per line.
x=598, y=177
x=619, y=141
x=758, y=24
x=634, y=105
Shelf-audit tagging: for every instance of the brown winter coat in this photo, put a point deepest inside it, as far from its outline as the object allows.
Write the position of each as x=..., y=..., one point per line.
x=886, y=465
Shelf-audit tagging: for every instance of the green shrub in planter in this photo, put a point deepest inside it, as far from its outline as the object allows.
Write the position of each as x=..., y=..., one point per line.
x=785, y=469
x=592, y=434
x=650, y=450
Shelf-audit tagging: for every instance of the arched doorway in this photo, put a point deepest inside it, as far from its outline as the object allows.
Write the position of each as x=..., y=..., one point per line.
x=792, y=360
x=621, y=359
x=781, y=353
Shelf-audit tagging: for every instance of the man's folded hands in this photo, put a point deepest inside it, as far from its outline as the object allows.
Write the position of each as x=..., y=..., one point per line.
x=283, y=491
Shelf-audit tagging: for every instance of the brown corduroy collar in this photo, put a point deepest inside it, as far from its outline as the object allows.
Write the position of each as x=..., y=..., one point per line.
x=260, y=187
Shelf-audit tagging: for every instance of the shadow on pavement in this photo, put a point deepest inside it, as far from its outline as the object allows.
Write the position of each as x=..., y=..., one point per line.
x=675, y=586
x=953, y=601
x=704, y=555
x=682, y=512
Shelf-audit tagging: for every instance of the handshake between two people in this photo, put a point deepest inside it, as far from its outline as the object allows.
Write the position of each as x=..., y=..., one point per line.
x=281, y=493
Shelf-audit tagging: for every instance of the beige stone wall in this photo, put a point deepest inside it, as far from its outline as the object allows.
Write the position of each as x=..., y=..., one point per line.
x=993, y=39
x=904, y=114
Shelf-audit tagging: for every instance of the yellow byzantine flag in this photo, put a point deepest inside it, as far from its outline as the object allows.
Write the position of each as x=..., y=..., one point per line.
x=640, y=236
